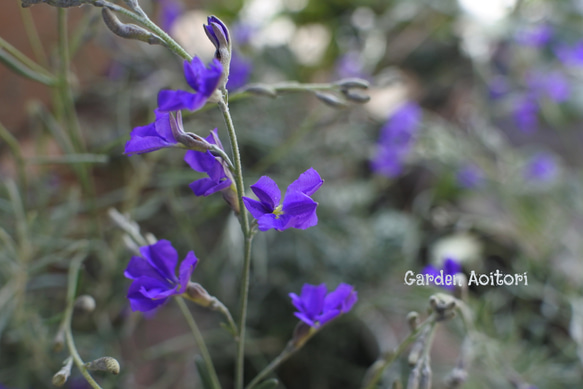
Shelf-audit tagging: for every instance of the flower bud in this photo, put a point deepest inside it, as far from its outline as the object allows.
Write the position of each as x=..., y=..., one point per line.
x=108, y=364
x=413, y=321
x=85, y=303
x=62, y=375
x=129, y=31
x=218, y=34
x=188, y=139
x=349, y=83
x=443, y=306
x=59, y=340
x=355, y=97
x=331, y=100
x=261, y=90
x=197, y=294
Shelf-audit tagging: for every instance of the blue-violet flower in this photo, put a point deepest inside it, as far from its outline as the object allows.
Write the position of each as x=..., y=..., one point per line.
x=153, y=136
x=298, y=210
x=203, y=80
x=450, y=267
x=317, y=307
x=154, y=275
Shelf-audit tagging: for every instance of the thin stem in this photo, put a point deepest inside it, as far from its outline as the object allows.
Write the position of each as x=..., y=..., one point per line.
x=287, y=352
x=389, y=359
x=244, y=220
x=199, y=342
x=74, y=269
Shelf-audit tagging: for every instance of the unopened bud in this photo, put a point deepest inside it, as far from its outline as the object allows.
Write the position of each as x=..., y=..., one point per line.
x=218, y=33
x=261, y=90
x=197, y=294
x=349, y=83
x=129, y=31
x=443, y=306
x=456, y=378
x=188, y=139
x=62, y=375
x=108, y=364
x=413, y=321
x=85, y=303
x=331, y=100
x=59, y=340
x=355, y=97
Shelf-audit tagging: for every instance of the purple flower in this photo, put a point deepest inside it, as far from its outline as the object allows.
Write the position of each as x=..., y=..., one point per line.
x=218, y=33
x=525, y=114
x=203, y=80
x=298, y=210
x=542, y=167
x=153, y=136
x=154, y=275
x=219, y=177
x=498, y=87
x=240, y=71
x=470, y=176
x=553, y=85
x=350, y=65
x=571, y=55
x=396, y=139
x=317, y=307
x=535, y=36
x=450, y=267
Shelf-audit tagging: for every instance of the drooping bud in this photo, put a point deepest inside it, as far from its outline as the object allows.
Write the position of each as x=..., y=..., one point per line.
x=218, y=34
x=349, y=83
x=355, y=97
x=85, y=303
x=413, y=321
x=188, y=139
x=197, y=294
x=62, y=375
x=127, y=30
x=331, y=100
x=261, y=90
x=59, y=340
x=108, y=364
x=443, y=306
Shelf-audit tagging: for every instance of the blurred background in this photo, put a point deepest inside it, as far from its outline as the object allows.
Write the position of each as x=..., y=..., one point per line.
x=469, y=149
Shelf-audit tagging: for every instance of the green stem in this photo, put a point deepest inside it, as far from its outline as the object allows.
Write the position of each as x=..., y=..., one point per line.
x=287, y=352
x=199, y=342
x=74, y=269
x=389, y=359
x=14, y=147
x=244, y=220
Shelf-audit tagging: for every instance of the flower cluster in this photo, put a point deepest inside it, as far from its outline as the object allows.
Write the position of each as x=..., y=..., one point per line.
x=317, y=307
x=396, y=140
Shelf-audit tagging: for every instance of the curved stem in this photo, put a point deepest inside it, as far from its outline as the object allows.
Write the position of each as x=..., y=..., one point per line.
x=287, y=352
x=248, y=236
x=389, y=359
x=199, y=342
x=66, y=325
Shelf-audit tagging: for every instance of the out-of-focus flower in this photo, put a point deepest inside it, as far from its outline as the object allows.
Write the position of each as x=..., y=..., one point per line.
x=450, y=267
x=219, y=177
x=570, y=55
x=298, y=210
x=169, y=12
x=541, y=167
x=203, y=80
x=535, y=36
x=498, y=87
x=553, y=85
x=316, y=306
x=154, y=275
x=470, y=176
x=525, y=114
x=154, y=136
x=240, y=71
x=396, y=140
x=350, y=65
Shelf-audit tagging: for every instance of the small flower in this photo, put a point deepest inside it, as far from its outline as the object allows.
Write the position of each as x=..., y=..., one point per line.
x=542, y=167
x=154, y=136
x=570, y=55
x=218, y=34
x=535, y=36
x=203, y=80
x=154, y=275
x=298, y=210
x=551, y=84
x=450, y=267
x=396, y=139
x=470, y=176
x=219, y=177
x=317, y=307
x=525, y=114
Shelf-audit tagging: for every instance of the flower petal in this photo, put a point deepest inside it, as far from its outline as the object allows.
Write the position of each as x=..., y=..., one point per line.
x=312, y=297
x=163, y=257
x=267, y=192
x=140, y=267
x=186, y=268
x=201, y=79
x=451, y=266
x=175, y=100
x=297, y=204
x=343, y=298
x=206, y=186
x=308, y=183
x=305, y=319
x=256, y=208
x=138, y=300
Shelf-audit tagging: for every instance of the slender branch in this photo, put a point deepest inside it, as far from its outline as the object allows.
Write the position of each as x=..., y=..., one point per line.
x=287, y=352
x=244, y=220
x=74, y=269
x=199, y=342
x=390, y=358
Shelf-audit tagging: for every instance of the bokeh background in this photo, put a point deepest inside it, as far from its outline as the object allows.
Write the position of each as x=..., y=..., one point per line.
x=470, y=149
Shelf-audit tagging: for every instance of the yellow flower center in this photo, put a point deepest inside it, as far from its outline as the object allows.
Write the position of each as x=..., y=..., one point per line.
x=277, y=211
